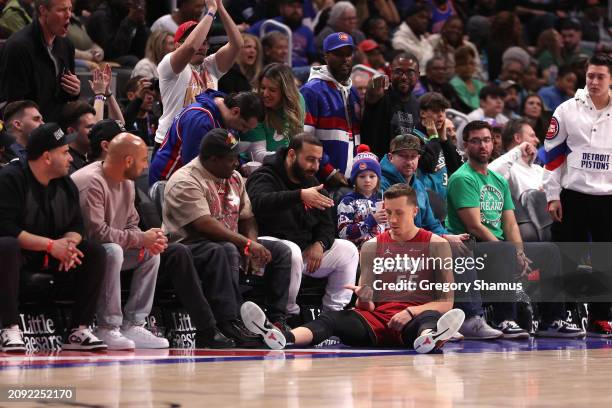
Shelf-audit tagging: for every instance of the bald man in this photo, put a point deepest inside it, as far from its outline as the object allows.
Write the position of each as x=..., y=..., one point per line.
x=106, y=191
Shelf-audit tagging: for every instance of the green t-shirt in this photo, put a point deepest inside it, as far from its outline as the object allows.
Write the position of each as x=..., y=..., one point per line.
x=472, y=99
x=491, y=194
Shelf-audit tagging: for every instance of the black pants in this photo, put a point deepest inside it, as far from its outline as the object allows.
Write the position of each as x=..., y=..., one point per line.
x=86, y=278
x=177, y=265
x=354, y=331
x=587, y=218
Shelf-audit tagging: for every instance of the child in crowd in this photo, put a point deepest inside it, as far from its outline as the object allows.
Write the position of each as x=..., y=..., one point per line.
x=360, y=213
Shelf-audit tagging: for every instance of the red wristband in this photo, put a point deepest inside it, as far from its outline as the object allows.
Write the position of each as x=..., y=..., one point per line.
x=48, y=250
x=246, y=248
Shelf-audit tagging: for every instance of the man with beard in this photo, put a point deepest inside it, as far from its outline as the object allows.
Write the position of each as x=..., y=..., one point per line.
x=394, y=111
x=291, y=205
x=106, y=190
x=303, y=49
x=333, y=110
x=480, y=203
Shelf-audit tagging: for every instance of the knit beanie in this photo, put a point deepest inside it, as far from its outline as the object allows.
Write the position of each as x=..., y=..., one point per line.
x=364, y=160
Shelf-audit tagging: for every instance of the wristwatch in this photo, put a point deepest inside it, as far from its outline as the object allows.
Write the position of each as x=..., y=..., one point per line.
x=322, y=245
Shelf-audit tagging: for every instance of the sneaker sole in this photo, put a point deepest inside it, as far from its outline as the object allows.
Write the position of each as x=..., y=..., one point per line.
x=485, y=337
x=255, y=320
x=517, y=336
x=14, y=350
x=599, y=335
x=559, y=335
x=447, y=326
x=73, y=347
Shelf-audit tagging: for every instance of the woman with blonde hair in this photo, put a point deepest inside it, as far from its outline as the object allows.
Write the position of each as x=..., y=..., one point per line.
x=158, y=45
x=243, y=75
x=285, y=112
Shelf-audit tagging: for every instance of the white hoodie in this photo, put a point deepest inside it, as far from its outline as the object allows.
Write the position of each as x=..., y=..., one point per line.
x=404, y=39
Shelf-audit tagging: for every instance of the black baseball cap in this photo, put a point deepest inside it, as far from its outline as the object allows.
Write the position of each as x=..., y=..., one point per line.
x=220, y=142
x=105, y=129
x=45, y=138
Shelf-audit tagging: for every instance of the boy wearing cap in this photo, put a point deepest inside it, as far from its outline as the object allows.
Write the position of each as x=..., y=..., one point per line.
x=187, y=71
x=333, y=109
x=38, y=212
x=207, y=208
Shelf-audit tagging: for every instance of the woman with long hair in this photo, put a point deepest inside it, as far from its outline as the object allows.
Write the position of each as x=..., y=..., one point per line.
x=548, y=54
x=285, y=112
x=243, y=75
x=159, y=44
x=505, y=32
x=533, y=111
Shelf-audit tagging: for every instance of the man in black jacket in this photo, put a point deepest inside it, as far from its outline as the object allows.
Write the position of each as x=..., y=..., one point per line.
x=290, y=205
x=42, y=229
x=37, y=63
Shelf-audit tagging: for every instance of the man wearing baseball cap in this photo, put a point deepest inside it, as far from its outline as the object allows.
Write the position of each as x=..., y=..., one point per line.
x=187, y=71
x=38, y=211
x=208, y=209
x=333, y=109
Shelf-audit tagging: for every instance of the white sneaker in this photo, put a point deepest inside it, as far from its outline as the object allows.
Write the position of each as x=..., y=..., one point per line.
x=114, y=339
x=476, y=328
x=144, y=339
x=456, y=337
x=255, y=320
x=83, y=340
x=11, y=341
x=447, y=326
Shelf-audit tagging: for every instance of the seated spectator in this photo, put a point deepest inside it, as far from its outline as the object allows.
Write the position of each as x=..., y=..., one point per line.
x=491, y=106
x=411, y=35
x=78, y=118
x=275, y=47
x=385, y=10
x=571, y=34
x=186, y=10
x=361, y=81
x=333, y=113
x=548, y=54
x=106, y=192
x=414, y=320
x=240, y=112
x=140, y=117
x=374, y=57
x=15, y=15
x=480, y=203
x=393, y=111
x=465, y=84
x=120, y=28
x=243, y=75
x=20, y=119
x=512, y=70
x=436, y=79
x=446, y=43
x=187, y=71
x=342, y=18
x=377, y=29
x=291, y=207
x=516, y=165
x=207, y=208
x=441, y=12
x=87, y=53
x=27, y=71
x=398, y=167
x=563, y=89
x=512, y=100
x=531, y=80
x=36, y=240
x=533, y=111
x=159, y=44
x=506, y=31
x=303, y=51
x=439, y=158
x=360, y=213
x=284, y=113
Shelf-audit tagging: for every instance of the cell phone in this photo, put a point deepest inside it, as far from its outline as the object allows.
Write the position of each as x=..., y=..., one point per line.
x=381, y=81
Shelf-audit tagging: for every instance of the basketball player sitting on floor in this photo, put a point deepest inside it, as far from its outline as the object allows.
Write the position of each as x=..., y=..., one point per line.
x=423, y=319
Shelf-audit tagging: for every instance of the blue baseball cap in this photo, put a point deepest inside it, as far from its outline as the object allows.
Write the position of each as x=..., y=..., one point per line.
x=337, y=40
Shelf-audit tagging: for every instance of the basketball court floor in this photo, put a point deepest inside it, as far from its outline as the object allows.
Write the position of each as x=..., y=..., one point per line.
x=534, y=373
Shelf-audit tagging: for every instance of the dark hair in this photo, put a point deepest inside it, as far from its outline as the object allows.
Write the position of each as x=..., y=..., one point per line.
x=401, y=190
x=132, y=84
x=297, y=142
x=564, y=70
x=249, y=103
x=434, y=101
x=474, y=125
x=511, y=128
x=430, y=62
x=72, y=112
x=570, y=24
x=491, y=90
x=16, y=108
x=601, y=59
x=463, y=53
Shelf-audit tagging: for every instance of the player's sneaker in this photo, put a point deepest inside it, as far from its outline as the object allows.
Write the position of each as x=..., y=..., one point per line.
x=599, y=328
x=114, y=340
x=144, y=339
x=447, y=325
x=11, y=341
x=83, y=340
x=560, y=328
x=511, y=330
x=476, y=328
x=456, y=337
x=255, y=320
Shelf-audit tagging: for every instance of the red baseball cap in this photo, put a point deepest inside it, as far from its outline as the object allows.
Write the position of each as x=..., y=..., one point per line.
x=182, y=29
x=368, y=45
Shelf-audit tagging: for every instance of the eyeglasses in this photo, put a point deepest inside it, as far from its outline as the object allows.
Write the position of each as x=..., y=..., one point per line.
x=477, y=141
x=410, y=73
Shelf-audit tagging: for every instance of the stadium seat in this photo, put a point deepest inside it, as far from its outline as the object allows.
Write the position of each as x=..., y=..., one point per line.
x=156, y=192
x=438, y=205
x=535, y=204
